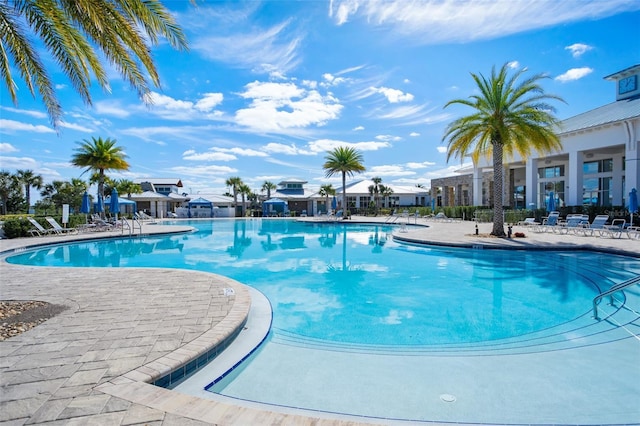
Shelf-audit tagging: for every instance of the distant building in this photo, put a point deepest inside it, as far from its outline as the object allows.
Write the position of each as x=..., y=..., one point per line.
x=599, y=163
x=160, y=196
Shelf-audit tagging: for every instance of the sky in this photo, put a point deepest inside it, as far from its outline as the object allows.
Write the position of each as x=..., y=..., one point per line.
x=267, y=88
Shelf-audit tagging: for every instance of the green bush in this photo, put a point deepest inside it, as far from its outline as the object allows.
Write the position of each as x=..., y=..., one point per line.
x=16, y=227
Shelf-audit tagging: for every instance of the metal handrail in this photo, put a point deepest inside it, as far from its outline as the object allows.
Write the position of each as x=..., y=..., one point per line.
x=615, y=288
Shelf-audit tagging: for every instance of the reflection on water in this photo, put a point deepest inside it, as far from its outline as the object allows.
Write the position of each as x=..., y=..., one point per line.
x=354, y=284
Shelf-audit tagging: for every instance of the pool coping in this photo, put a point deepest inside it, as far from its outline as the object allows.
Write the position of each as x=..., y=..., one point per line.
x=135, y=385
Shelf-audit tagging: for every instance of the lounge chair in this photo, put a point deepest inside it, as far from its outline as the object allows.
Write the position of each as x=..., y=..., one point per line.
x=59, y=229
x=615, y=230
x=548, y=223
x=598, y=223
x=633, y=232
x=572, y=223
x=529, y=221
x=39, y=229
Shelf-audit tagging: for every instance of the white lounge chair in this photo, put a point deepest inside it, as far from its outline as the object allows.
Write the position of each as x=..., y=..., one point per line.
x=39, y=229
x=615, y=230
x=59, y=229
x=548, y=223
x=572, y=223
x=529, y=221
x=597, y=224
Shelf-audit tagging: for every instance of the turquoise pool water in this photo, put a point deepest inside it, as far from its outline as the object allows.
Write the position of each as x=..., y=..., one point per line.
x=351, y=305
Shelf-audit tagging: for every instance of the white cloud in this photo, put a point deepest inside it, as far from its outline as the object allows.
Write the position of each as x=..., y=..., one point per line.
x=331, y=80
x=280, y=148
x=389, y=170
x=324, y=145
x=574, y=74
x=406, y=81
x=207, y=156
x=514, y=65
x=358, y=128
x=203, y=171
x=209, y=101
x=272, y=50
x=280, y=107
x=111, y=108
x=7, y=148
x=422, y=165
x=77, y=127
x=393, y=95
x=244, y=152
x=388, y=138
x=414, y=134
x=438, y=21
x=19, y=163
x=578, y=49
x=442, y=149
x=29, y=112
x=26, y=127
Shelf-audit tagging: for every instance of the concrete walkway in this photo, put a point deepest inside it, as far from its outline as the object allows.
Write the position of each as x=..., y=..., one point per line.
x=125, y=327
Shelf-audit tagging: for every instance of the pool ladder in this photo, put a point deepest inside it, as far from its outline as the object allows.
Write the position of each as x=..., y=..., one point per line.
x=615, y=288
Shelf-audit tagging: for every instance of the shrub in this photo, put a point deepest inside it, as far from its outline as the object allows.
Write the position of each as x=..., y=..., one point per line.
x=16, y=227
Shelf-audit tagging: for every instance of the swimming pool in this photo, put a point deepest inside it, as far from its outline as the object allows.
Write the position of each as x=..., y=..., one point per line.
x=366, y=326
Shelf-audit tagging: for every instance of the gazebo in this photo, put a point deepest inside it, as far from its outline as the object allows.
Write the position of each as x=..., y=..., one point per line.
x=275, y=207
x=200, y=207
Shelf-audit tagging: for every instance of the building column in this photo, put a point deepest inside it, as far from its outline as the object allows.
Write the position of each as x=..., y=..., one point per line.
x=574, y=186
x=531, y=181
x=616, y=182
x=632, y=159
x=477, y=186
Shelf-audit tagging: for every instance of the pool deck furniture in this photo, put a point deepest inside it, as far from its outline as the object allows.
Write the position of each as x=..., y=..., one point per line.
x=92, y=363
x=39, y=230
x=57, y=228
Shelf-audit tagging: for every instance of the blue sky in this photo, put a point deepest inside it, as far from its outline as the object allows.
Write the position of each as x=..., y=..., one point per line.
x=268, y=88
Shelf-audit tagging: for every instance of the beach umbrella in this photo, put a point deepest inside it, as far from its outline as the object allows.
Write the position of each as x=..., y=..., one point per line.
x=633, y=203
x=85, y=207
x=551, y=202
x=99, y=207
x=433, y=204
x=334, y=203
x=114, y=206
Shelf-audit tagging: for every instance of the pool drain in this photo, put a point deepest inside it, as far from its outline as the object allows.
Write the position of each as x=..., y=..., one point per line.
x=447, y=398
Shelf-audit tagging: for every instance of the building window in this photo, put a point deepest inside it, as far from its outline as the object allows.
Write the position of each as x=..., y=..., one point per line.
x=551, y=172
x=596, y=185
x=599, y=166
x=546, y=188
x=294, y=186
x=597, y=191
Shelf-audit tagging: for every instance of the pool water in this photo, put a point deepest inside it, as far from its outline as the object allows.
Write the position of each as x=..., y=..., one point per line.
x=370, y=318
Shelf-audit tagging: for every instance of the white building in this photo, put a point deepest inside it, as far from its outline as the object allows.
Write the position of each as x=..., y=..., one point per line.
x=598, y=165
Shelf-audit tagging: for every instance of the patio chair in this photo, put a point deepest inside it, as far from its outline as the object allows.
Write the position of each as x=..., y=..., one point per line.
x=529, y=221
x=615, y=230
x=39, y=229
x=633, y=232
x=59, y=229
x=548, y=222
x=572, y=223
x=598, y=223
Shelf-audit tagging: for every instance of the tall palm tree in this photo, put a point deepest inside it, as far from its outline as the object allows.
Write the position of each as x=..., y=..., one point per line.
x=327, y=190
x=509, y=117
x=375, y=189
x=344, y=160
x=126, y=186
x=29, y=179
x=78, y=34
x=8, y=184
x=99, y=155
x=244, y=190
x=268, y=186
x=234, y=183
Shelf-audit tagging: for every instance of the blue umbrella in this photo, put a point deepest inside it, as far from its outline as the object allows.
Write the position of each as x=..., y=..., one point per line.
x=114, y=206
x=85, y=207
x=99, y=207
x=433, y=204
x=633, y=203
x=551, y=202
x=334, y=203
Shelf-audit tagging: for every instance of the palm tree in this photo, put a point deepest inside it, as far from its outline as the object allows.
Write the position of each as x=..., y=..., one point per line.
x=244, y=191
x=126, y=186
x=344, y=160
x=234, y=183
x=508, y=117
x=325, y=191
x=8, y=184
x=100, y=155
x=374, y=190
x=29, y=179
x=268, y=186
x=78, y=34
x=385, y=191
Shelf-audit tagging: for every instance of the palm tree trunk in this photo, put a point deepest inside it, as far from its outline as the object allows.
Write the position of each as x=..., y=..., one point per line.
x=498, y=218
x=344, y=193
